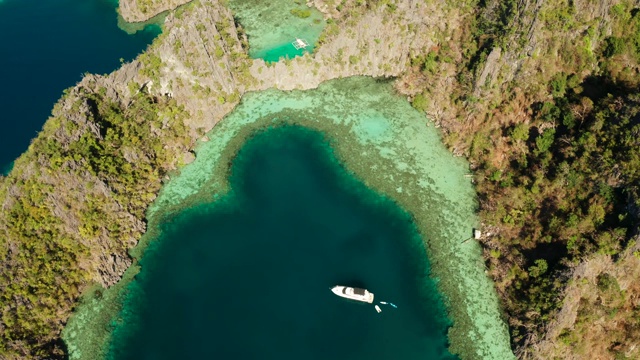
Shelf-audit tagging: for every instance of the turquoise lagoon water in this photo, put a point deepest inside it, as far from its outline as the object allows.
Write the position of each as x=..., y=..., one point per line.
x=271, y=27
x=245, y=242
x=248, y=275
x=46, y=47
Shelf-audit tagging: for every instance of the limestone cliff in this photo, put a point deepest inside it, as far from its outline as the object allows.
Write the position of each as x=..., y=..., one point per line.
x=75, y=202
x=91, y=175
x=200, y=58
x=143, y=10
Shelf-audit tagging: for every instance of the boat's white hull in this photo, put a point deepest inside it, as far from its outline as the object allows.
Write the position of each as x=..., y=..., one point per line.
x=356, y=294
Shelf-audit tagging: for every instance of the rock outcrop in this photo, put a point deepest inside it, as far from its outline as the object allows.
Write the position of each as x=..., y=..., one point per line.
x=143, y=10
x=196, y=72
x=193, y=74
x=203, y=62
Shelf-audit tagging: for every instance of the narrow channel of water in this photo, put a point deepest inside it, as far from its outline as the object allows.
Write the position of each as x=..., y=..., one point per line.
x=248, y=276
x=46, y=47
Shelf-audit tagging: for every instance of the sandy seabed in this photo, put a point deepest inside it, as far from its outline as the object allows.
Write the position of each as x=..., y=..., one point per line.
x=384, y=142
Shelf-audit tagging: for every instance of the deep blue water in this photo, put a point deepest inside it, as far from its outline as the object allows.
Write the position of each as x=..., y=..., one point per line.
x=248, y=276
x=46, y=46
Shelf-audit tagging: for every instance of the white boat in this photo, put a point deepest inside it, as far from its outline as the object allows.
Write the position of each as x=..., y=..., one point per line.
x=300, y=44
x=357, y=294
x=378, y=309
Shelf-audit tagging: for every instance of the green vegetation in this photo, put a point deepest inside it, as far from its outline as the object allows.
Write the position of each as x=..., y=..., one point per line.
x=144, y=5
x=151, y=65
x=563, y=186
x=426, y=62
x=605, y=300
x=571, y=190
x=553, y=140
x=301, y=13
x=147, y=7
x=92, y=174
x=621, y=50
x=554, y=153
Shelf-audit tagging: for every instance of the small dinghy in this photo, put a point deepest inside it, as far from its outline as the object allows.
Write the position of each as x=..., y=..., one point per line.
x=378, y=309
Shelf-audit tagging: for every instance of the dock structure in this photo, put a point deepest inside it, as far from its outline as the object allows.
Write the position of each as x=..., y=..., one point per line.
x=299, y=44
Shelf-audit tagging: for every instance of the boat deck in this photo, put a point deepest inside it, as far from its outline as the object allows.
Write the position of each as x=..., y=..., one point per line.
x=299, y=44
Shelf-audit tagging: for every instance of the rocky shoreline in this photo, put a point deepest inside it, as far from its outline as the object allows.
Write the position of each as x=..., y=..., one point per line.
x=197, y=66
x=142, y=10
x=209, y=86
x=196, y=72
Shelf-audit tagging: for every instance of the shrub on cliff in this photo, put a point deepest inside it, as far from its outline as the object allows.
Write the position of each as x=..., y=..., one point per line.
x=78, y=195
